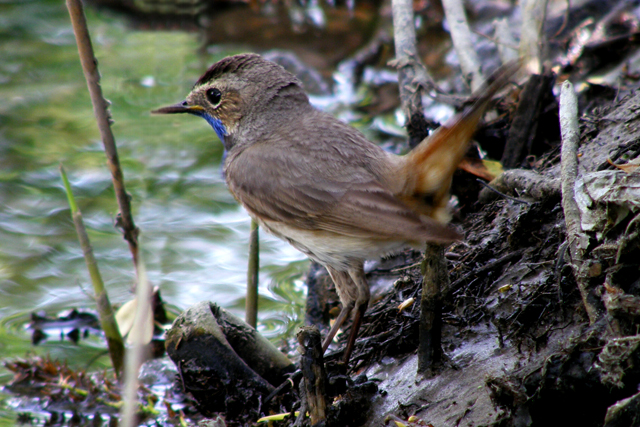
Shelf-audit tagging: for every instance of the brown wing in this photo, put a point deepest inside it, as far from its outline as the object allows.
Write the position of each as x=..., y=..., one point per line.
x=318, y=188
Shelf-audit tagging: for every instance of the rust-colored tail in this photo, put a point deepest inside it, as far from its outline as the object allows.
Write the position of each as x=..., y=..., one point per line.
x=428, y=168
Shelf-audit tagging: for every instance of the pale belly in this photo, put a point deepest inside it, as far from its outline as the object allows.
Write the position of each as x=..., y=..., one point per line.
x=332, y=249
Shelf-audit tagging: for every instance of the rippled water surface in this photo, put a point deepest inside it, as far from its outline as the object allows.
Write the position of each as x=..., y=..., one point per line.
x=194, y=236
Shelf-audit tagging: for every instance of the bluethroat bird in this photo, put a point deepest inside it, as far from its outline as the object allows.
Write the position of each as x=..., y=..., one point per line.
x=318, y=183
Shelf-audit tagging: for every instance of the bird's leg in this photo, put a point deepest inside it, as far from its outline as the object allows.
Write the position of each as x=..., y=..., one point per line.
x=357, y=321
x=343, y=284
x=344, y=313
x=362, y=302
x=353, y=290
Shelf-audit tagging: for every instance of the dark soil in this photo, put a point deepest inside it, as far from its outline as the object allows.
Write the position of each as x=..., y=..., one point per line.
x=518, y=344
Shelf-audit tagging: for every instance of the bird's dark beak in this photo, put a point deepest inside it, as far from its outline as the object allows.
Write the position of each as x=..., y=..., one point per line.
x=181, y=107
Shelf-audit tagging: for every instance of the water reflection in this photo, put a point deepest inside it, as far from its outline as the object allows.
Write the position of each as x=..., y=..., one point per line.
x=194, y=236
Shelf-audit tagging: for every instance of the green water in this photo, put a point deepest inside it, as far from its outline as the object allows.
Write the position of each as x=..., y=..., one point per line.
x=194, y=236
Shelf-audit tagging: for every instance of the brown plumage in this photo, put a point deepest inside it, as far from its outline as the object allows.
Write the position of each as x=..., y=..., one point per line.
x=319, y=183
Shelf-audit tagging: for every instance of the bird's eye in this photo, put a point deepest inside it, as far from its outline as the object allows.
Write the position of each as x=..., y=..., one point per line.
x=214, y=96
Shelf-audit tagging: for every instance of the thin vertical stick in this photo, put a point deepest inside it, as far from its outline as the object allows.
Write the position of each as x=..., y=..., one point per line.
x=461, y=37
x=408, y=64
x=578, y=240
x=436, y=277
x=410, y=69
x=136, y=355
x=534, y=13
x=108, y=323
x=100, y=110
x=251, y=306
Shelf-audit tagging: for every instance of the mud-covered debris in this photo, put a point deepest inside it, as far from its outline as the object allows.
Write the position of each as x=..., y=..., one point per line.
x=352, y=407
x=605, y=198
x=226, y=365
x=619, y=357
x=624, y=413
x=60, y=390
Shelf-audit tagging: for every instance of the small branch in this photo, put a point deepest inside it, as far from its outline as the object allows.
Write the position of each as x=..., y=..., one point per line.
x=496, y=191
x=251, y=304
x=522, y=183
x=505, y=41
x=570, y=140
x=578, y=240
x=108, y=323
x=103, y=118
x=531, y=35
x=413, y=77
x=455, y=286
x=136, y=355
x=461, y=37
x=435, y=276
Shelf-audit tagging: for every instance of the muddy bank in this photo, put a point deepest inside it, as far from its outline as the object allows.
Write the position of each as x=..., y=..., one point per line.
x=518, y=344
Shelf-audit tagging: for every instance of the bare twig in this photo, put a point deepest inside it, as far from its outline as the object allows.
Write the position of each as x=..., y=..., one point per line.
x=522, y=183
x=410, y=71
x=100, y=110
x=570, y=140
x=496, y=191
x=461, y=37
x=105, y=311
x=436, y=278
x=531, y=35
x=505, y=41
x=407, y=61
x=130, y=231
x=413, y=77
x=136, y=355
x=565, y=20
x=251, y=304
x=453, y=288
x=578, y=240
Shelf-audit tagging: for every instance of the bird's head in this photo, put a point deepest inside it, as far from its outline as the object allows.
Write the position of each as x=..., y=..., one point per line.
x=237, y=91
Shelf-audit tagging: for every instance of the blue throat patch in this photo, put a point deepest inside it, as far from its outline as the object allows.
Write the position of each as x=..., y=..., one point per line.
x=217, y=126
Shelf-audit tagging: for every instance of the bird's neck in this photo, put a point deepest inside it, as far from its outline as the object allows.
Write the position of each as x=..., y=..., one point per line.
x=263, y=119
